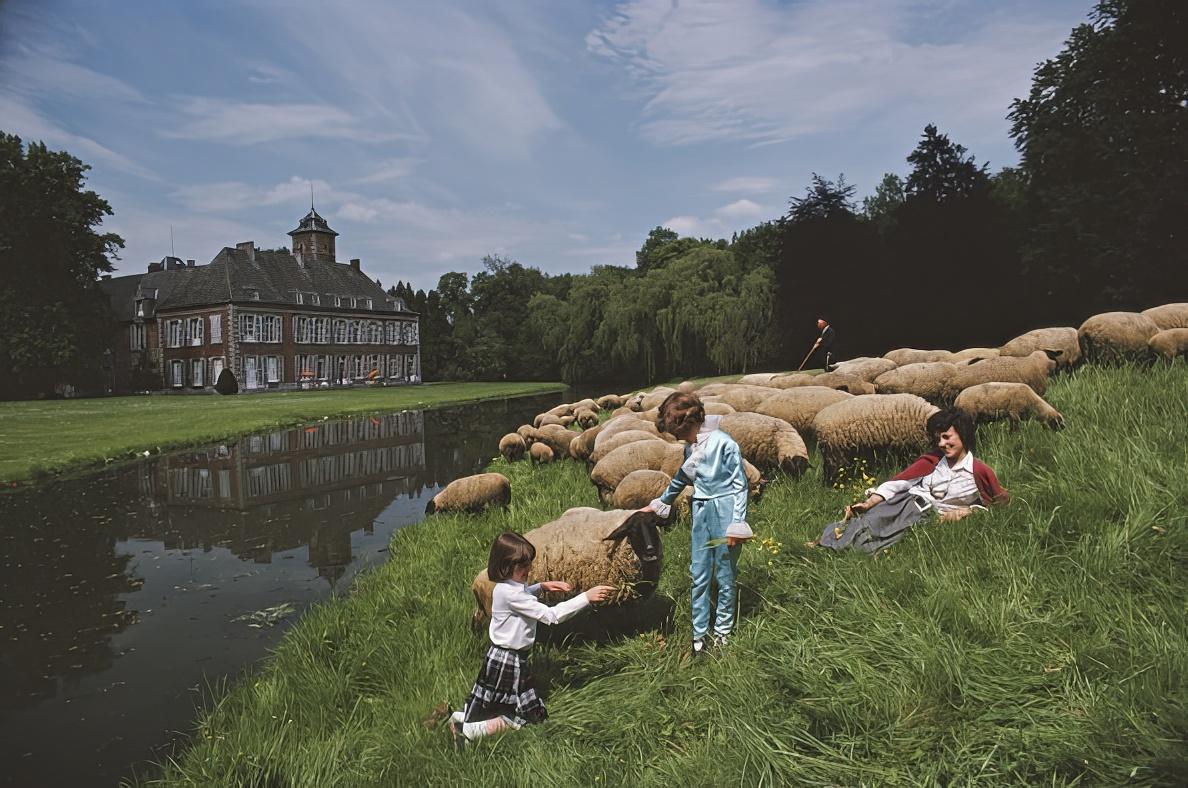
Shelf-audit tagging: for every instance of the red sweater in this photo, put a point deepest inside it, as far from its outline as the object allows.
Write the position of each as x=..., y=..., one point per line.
x=991, y=491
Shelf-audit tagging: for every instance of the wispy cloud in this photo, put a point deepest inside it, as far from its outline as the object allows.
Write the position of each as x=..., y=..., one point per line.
x=389, y=170
x=750, y=185
x=251, y=123
x=759, y=72
x=233, y=197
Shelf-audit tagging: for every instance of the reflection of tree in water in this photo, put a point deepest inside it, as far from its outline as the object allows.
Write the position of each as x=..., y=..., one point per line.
x=59, y=589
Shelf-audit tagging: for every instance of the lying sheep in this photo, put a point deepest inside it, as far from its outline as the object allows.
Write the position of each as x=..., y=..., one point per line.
x=1112, y=337
x=865, y=427
x=512, y=446
x=767, y=442
x=932, y=380
x=585, y=418
x=610, y=401
x=620, y=439
x=909, y=355
x=1032, y=370
x=799, y=406
x=1064, y=339
x=865, y=367
x=472, y=494
x=1012, y=401
x=586, y=547
x=1168, y=316
x=1169, y=343
x=540, y=453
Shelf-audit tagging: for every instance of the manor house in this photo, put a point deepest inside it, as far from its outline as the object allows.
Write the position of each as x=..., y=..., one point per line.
x=278, y=319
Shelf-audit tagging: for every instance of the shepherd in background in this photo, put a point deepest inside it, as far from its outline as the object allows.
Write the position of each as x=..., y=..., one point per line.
x=824, y=344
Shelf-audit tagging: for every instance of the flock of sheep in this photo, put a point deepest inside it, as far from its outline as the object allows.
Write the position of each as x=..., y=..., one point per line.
x=863, y=408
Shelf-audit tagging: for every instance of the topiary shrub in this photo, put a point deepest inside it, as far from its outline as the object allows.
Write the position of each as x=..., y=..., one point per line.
x=227, y=384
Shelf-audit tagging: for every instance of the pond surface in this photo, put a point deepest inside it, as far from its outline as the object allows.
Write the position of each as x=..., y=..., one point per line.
x=128, y=595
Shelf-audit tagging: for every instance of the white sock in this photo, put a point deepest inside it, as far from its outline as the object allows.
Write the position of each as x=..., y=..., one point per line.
x=477, y=730
x=458, y=716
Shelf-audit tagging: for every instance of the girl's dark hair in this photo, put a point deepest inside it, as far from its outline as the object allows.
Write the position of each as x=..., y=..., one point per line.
x=959, y=420
x=679, y=409
x=508, y=551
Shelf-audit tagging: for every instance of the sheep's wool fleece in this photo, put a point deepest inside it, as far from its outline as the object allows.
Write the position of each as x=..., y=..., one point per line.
x=799, y=406
x=639, y=488
x=651, y=455
x=472, y=493
x=932, y=380
x=735, y=395
x=556, y=438
x=1168, y=316
x=512, y=446
x=865, y=367
x=766, y=441
x=623, y=423
x=620, y=439
x=843, y=382
x=1064, y=339
x=1014, y=401
x=876, y=421
x=1117, y=336
x=1170, y=343
x=1032, y=370
x=908, y=355
x=653, y=399
x=571, y=548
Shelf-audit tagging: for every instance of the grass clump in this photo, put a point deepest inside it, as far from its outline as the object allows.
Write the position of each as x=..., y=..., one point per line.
x=1045, y=642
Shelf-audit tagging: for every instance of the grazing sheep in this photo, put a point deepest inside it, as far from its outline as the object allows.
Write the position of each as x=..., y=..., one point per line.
x=843, y=382
x=556, y=438
x=767, y=442
x=655, y=397
x=637, y=455
x=686, y=387
x=1117, y=336
x=585, y=417
x=527, y=432
x=540, y=453
x=588, y=404
x=586, y=547
x=1012, y=401
x=932, y=380
x=757, y=378
x=1064, y=339
x=610, y=401
x=639, y=488
x=974, y=354
x=717, y=408
x=737, y=396
x=799, y=406
x=472, y=494
x=1170, y=343
x=622, y=410
x=630, y=421
x=581, y=446
x=865, y=367
x=1032, y=370
x=1168, y=316
x=863, y=427
x=909, y=355
x=791, y=380
x=512, y=446
x=544, y=419
x=605, y=447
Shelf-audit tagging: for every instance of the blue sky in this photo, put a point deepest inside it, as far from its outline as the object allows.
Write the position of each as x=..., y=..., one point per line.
x=555, y=133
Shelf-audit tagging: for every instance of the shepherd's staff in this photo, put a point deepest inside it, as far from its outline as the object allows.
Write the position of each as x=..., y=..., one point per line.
x=806, y=356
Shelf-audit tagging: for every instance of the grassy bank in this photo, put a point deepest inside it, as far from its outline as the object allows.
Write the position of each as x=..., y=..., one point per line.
x=1046, y=642
x=64, y=435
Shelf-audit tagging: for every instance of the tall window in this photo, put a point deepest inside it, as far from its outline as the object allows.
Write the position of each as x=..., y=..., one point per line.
x=365, y=303
x=137, y=335
x=340, y=332
x=196, y=366
x=272, y=369
x=216, y=329
x=323, y=331
x=272, y=329
x=412, y=333
x=249, y=328
x=315, y=299
x=300, y=297
x=353, y=331
x=176, y=374
x=174, y=328
x=194, y=330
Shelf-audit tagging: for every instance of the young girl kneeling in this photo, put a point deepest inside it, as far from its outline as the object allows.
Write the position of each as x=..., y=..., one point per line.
x=504, y=694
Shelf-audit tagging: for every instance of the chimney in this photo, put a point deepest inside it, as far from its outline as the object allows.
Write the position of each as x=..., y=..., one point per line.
x=155, y=267
x=189, y=263
x=249, y=247
x=355, y=263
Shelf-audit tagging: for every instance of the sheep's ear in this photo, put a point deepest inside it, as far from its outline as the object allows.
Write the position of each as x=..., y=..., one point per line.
x=1053, y=354
x=974, y=360
x=634, y=519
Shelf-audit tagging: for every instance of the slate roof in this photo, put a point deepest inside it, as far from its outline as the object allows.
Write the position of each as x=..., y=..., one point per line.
x=312, y=222
x=233, y=275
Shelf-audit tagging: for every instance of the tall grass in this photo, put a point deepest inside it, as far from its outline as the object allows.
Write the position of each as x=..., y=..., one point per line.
x=1046, y=642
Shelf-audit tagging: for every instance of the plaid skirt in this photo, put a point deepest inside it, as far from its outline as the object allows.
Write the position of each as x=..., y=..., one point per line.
x=505, y=687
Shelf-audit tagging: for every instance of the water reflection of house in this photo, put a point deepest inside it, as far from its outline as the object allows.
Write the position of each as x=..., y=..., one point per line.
x=313, y=486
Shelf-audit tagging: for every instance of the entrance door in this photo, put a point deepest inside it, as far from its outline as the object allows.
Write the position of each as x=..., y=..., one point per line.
x=249, y=372
x=216, y=369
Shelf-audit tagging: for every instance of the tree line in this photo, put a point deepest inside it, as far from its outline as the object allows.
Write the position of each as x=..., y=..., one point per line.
x=942, y=253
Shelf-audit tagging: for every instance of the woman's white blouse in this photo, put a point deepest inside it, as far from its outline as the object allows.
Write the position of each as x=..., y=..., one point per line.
x=946, y=488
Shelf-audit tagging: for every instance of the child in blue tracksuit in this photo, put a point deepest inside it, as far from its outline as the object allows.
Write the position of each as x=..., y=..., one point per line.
x=714, y=466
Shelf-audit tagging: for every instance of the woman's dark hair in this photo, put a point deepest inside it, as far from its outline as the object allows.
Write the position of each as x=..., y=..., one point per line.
x=679, y=409
x=959, y=420
x=508, y=551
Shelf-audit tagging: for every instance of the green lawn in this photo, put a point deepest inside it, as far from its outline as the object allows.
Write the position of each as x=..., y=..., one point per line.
x=1043, y=643
x=63, y=435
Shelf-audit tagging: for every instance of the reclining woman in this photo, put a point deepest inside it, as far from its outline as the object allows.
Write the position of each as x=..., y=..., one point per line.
x=947, y=481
